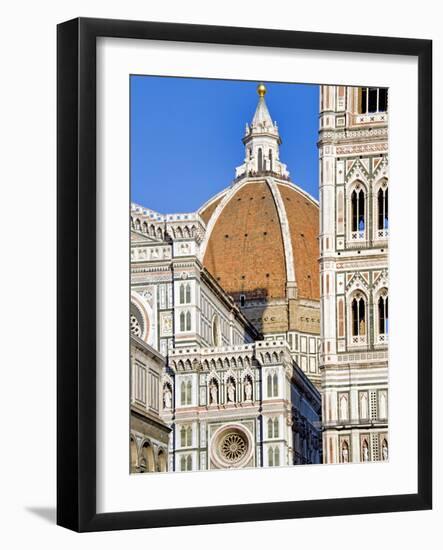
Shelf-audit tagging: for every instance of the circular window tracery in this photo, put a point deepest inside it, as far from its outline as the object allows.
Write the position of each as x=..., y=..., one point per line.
x=233, y=447
x=138, y=323
x=136, y=329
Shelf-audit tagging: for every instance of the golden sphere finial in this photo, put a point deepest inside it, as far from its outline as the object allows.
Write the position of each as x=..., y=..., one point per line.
x=261, y=89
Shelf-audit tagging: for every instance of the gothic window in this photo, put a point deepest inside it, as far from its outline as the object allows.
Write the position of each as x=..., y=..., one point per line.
x=188, y=320
x=273, y=428
x=358, y=221
x=272, y=385
x=374, y=100
x=182, y=321
x=270, y=428
x=383, y=314
x=183, y=393
x=186, y=436
x=270, y=160
x=269, y=385
x=186, y=392
x=275, y=384
x=260, y=160
x=273, y=456
x=185, y=293
x=382, y=208
x=185, y=321
x=358, y=315
x=186, y=463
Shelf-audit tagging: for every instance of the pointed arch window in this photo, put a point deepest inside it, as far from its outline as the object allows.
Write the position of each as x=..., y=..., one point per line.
x=182, y=321
x=382, y=211
x=185, y=293
x=273, y=456
x=272, y=384
x=383, y=316
x=358, y=319
x=269, y=385
x=275, y=384
x=273, y=428
x=358, y=215
x=186, y=436
x=260, y=160
x=188, y=320
x=186, y=463
x=186, y=392
x=185, y=321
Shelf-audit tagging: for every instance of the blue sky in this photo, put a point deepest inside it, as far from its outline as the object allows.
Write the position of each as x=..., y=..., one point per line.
x=186, y=137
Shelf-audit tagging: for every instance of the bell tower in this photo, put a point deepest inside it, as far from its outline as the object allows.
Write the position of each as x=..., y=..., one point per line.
x=354, y=240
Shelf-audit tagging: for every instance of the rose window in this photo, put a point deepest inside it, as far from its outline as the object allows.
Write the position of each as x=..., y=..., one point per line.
x=233, y=447
x=136, y=329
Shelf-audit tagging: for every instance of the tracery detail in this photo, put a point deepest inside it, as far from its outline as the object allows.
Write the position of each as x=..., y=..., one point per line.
x=233, y=447
x=136, y=329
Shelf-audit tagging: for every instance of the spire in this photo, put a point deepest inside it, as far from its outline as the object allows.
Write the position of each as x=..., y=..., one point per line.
x=262, y=141
x=262, y=119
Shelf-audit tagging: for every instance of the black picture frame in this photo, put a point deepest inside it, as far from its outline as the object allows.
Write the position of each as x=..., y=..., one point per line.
x=76, y=281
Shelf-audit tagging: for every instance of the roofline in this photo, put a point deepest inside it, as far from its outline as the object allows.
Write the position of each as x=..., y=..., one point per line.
x=296, y=187
x=213, y=199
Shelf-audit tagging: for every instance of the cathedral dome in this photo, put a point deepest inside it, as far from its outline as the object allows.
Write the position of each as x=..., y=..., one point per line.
x=262, y=240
